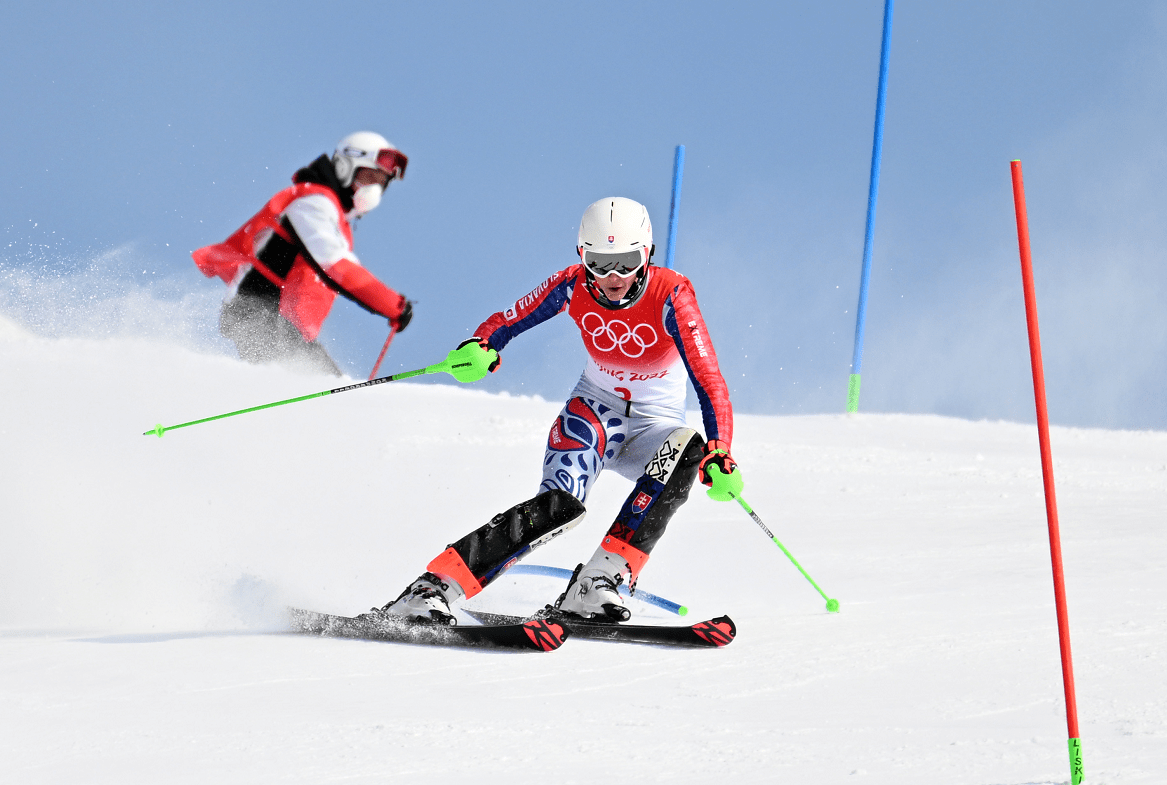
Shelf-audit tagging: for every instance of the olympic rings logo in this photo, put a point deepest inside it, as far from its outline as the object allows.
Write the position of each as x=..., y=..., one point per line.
x=616, y=334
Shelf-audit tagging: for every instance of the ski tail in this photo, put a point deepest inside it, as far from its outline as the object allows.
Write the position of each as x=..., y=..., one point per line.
x=522, y=635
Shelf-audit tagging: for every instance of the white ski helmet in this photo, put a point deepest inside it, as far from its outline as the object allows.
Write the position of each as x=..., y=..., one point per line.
x=615, y=236
x=370, y=150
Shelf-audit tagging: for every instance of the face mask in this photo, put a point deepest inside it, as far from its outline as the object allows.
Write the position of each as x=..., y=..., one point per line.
x=366, y=198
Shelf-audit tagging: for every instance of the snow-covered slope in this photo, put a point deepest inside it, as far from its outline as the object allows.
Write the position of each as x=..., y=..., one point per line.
x=139, y=580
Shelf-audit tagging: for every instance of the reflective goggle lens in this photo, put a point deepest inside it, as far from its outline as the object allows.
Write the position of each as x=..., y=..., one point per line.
x=623, y=264
x=393, y=162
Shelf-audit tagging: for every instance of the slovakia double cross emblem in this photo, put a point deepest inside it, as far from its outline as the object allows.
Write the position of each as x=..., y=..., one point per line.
x=641, y=502
x=616, y=334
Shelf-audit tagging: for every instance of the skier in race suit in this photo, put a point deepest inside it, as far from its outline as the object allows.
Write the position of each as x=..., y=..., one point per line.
x=285, y=266
x=645, y=336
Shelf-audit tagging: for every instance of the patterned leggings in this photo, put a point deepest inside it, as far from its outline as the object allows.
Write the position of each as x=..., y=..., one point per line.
x=588, y=437
x=659, y=454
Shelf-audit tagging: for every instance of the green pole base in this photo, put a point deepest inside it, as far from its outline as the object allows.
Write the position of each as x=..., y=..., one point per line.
x=833, y=606
x=1076, y=770
x=853, y=394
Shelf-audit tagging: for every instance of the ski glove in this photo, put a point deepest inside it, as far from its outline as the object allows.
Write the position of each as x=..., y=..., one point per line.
x=472, y=360
x=719, y=471
x=402, y=320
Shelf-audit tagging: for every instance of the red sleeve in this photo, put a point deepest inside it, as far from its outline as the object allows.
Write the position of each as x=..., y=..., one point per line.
x=684, y=323
x=359, y=285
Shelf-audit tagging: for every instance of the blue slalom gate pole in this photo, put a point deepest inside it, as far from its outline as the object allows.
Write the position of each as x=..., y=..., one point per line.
x=872, y=195
x=643, y=596
x=675, y=204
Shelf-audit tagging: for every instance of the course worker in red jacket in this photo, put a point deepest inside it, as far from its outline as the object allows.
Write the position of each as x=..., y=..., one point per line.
x=285, y=266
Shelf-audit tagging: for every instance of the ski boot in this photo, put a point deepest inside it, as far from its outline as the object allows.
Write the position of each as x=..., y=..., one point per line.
x=427, y=600
x=592, y=594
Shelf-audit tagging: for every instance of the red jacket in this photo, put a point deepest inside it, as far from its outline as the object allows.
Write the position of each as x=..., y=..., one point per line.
x=309, y=288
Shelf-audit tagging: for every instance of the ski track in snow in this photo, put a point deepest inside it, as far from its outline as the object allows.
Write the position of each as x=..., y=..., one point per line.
x=141, y=581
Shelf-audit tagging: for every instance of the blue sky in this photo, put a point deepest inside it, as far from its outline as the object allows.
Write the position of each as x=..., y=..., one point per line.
x=154, y=130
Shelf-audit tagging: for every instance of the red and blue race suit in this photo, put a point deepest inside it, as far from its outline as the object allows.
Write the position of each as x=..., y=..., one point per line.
x=640, y=353
x=627, y=413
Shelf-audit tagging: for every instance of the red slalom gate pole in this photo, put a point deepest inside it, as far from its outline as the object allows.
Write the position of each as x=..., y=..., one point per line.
x=1047, y=473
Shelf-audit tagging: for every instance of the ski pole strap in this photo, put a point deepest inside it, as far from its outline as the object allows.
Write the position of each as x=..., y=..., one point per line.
x=832, y=605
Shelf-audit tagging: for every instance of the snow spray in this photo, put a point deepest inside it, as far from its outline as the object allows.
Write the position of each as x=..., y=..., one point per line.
x=1047, y=472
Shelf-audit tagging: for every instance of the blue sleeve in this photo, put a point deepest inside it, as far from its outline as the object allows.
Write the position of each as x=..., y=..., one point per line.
x=548, y=299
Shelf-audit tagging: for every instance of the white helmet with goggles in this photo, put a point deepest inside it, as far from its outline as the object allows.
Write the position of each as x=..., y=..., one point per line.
x=369, y=150
x=615, y=237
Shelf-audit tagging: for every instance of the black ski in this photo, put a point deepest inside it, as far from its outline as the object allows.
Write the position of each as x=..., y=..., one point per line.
x=519, y=635
x=713, y=633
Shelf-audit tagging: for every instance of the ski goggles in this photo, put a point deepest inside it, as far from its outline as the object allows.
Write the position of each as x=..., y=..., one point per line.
x=393, y=162
x=622, y=264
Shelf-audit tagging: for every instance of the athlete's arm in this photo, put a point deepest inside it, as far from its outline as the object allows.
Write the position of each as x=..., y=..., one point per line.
x=686, y=326
x=359, y=285
x=548, y=299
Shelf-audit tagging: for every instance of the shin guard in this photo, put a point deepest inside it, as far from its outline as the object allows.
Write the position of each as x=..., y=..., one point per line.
x=484, y=554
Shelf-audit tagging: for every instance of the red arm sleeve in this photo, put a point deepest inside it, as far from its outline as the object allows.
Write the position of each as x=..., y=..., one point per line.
x=687, y=328
x=359, y=285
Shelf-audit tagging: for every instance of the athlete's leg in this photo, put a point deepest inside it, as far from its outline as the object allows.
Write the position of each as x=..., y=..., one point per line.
x=583, y=438
x=468, y=565
x=262, y=335
x=485, y=553
x=250, y=322
x=309, y=355
x=658, y=493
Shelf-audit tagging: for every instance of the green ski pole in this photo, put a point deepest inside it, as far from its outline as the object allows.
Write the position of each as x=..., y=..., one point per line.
x=463, y=363
x=832, y=605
